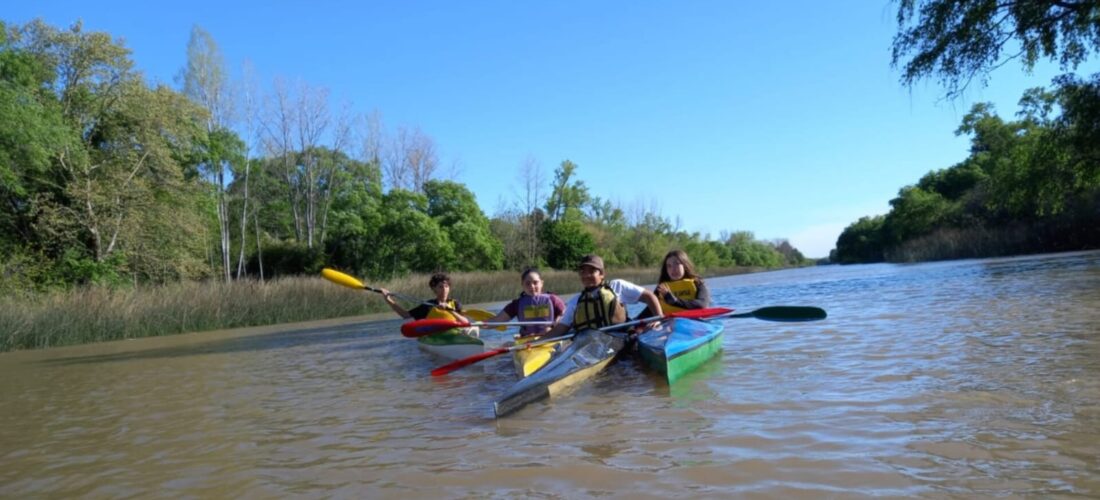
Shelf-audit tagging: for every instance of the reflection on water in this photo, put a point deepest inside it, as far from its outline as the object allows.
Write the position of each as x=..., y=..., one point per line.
x=952, y=379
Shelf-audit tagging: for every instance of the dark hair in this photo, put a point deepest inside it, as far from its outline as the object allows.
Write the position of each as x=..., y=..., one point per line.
x=438, y=278
x=529, y=271
x=689, y=268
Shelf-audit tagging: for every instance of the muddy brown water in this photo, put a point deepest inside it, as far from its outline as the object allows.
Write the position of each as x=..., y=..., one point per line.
x=976, y=378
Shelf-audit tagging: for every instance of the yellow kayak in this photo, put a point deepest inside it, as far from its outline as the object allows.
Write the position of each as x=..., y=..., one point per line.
x=528, y=361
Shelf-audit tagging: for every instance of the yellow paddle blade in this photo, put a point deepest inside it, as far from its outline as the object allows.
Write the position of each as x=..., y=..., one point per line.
x=481, y=315
x=341, y=279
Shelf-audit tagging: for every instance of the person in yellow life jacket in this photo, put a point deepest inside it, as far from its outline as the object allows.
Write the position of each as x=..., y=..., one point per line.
x=679, y=287
x=442, y=306
x=601, y=303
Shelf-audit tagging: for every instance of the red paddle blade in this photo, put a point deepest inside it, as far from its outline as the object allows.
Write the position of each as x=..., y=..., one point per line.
x=706, y=312
x=469, y=360
x=422, y=327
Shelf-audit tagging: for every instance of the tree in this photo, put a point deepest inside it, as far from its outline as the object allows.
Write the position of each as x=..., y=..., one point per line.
x=356, y=222
x=861, y=241
x=410, y=239
x=249, y=96
x=958, y=40
x=568, y=194
x=531, y=181
x=410, y=160
x=127, y=162
x=745, y=250
x=204, y=79
x=294, y=126
x=456, y=211
x=915, y=212
x=566, y=241
x=33, y=133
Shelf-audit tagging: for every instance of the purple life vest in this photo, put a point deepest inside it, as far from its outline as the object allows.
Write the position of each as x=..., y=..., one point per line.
x=534, y=308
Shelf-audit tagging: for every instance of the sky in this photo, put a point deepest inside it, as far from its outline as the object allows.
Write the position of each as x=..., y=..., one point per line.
x=785, y=119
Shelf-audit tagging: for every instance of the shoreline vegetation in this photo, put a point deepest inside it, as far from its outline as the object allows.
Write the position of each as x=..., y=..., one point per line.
x=99, y=314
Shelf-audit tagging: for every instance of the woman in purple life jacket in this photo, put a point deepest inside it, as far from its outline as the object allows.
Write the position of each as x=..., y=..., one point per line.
x=532, y=305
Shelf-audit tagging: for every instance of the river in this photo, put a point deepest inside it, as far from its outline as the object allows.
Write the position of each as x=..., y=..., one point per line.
x=938, y=380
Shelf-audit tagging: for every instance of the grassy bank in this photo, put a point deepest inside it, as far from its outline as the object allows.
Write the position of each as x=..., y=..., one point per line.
x=99, y=314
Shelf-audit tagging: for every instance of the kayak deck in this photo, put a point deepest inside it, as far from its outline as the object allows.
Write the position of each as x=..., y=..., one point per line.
x=529, y=360
x=680, y=345
x=589, y=353
x=456, y=343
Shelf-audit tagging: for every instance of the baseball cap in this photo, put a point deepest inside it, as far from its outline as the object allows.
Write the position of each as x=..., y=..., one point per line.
x=591, y=260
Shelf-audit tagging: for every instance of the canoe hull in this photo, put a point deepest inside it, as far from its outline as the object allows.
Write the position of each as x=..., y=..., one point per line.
x=680, y=345
x=453, y=344
x=589, y=353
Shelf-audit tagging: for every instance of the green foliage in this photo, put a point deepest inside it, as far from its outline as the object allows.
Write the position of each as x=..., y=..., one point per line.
x=81, y=269
x=1022, y=180
x=566, y=241
x=289, y=258
x=569, y=194
x=958, y=40
x=456, y=211
x=955, y=182
x=410, y=240
x=915, y=212
x=32, y=133
x=745, y=250
x=861, y=241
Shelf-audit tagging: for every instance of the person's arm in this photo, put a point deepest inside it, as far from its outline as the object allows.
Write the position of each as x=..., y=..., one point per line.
x=505, y=314
x=393, y=304
x=457, y=313
x=557, y=330
x=566, y=322
x=559, y=308
x=652, y=304
x=629, y=293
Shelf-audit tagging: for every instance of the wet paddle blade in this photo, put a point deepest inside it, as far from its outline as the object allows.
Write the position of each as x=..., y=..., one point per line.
x=341, y=279
x=482, y=315
x=790, y=313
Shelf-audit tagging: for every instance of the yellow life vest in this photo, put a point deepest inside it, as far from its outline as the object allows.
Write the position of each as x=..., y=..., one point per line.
x=598, y=307
x=440, y=313
x=684, y=290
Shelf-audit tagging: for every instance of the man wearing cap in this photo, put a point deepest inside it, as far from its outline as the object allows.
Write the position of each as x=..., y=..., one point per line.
x=601, y=303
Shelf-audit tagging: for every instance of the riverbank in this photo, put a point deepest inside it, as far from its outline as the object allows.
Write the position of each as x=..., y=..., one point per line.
x=94, y=314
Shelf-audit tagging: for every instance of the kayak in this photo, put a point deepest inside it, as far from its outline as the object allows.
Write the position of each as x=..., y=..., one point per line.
x=680, y=345
x=456, y=343
x=529, y=360
x=590, y=352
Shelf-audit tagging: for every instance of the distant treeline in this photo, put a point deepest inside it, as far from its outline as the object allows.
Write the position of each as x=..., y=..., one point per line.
x=107, y=179
x=1030, y=185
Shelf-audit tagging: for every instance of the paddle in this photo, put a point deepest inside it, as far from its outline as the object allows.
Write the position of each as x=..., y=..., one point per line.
x=432, y=326
x=351, y=282
x=482, y=315
x=422, y=327
x=690, y=313
x=780, y=313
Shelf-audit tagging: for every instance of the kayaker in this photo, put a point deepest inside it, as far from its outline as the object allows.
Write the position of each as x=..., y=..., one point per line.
x=532, y=305
x=440, y=283
x=679, y=286
x=601, y=303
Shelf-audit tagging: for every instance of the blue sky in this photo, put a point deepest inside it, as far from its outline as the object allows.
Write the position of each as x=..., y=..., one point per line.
x=780, y=118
